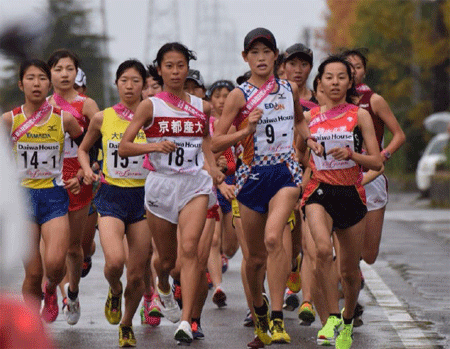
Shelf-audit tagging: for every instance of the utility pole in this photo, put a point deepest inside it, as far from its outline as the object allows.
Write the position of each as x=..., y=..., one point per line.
x=163, y=25
x=216, y=42
x=105, y=55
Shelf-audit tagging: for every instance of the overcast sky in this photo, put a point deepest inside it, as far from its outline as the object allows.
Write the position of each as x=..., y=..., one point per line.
x=127, y=23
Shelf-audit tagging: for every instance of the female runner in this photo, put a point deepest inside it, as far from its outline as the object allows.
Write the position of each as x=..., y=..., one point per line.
x=37, y=131
x=376, y=188
x=298, y=62
x=334, y=197
x=224, y=233
x=63, y=66
x=178, y=191
x=120, y=200
x=265, y=111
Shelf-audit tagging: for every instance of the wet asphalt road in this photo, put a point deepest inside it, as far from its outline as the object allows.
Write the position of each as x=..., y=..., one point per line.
x=406, y=298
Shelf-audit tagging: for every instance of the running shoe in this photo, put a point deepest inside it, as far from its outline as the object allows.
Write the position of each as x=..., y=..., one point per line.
x=224, y=264
x=262, y=325
x=255, y=343
x=150, y=312
x=169, y=306
x=50, y=310
x=113, y=307
x=71, y=308
x=126, y=336
x=219, y=298
x=345, y=338
x=359, y=310
x=176, y=289
x=294, y=282
x=326, y=336
x=183, y=334
x=87, y=265
x=291, y=301
x=197, y=332
x=278, y=331
x=307, y=314
x=248, y=321
x=210, y=283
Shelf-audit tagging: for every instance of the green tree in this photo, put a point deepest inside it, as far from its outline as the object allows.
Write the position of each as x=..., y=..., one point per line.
x=68, y=28
x=408, y=60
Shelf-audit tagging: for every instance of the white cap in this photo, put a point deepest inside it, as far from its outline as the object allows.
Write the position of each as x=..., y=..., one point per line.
x=80, y=79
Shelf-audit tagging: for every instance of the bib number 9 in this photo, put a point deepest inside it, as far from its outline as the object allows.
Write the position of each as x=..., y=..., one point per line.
x=270, y=133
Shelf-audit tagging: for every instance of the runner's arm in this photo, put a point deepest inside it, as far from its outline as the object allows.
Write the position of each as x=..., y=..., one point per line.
x=222, y=140
x=90, y=108
x=212, y=168
x=370, y=175
x=93, y=133
x=381, y=108
x=72, y=127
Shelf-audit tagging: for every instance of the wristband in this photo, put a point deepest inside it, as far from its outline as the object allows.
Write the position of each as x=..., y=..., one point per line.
x=386, y=154
x=350, y=153
x=310, y=137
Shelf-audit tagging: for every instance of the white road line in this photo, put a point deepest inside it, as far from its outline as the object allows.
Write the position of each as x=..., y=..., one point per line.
x=405, y=326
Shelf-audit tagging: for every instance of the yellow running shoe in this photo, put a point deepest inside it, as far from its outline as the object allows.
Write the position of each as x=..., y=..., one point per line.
x=279, y=334
x=262, y=329
x=262, y=325
x=307, y=314
x=294, y=282
x=345, y=338
x=113, y=307
x=126, y=336
x=326, y=336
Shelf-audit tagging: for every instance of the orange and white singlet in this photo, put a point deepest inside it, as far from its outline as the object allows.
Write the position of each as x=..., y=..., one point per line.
x=341, y=131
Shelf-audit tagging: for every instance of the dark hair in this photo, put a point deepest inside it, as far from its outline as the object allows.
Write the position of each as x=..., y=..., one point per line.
x=153, y=72
x=34, y=63
x=131, y=63
x=219, y=84
x=278, y=63
x=62, y=53
x=360, y=52
x=174, y=46
x=244, y=77
x=316, y=83
x=351, y=92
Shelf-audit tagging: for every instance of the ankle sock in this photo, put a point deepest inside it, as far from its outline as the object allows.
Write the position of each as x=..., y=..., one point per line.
x=72, y=295
x=347, y=321
x=261, y=311
x=276, y=315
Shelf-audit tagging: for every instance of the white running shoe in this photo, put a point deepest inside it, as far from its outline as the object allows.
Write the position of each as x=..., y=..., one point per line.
x=71, y=308
x=169, y=306
x=183, y=335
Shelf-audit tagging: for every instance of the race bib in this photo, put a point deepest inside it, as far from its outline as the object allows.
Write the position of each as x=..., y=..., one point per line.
x=124, y=168
x=274, y=135
x=188, y=156
x=38, y=160
x=329, y=141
